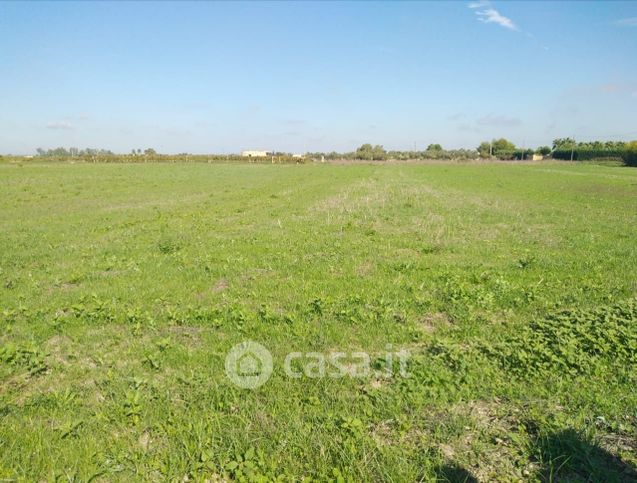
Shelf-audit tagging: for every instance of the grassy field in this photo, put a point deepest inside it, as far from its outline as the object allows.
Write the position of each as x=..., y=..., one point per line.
x=511, y=286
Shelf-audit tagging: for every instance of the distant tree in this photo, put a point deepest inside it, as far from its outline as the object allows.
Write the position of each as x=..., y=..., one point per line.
x=484, y=149
x=616, y=144
x=60, y=152
x=434, y=147
x=364, y=152
x=367, y=151
x=502, y=145
x=501, y=148
x=379, y=152
x=505, y=149
x=543, y=150
x=564, y=143
x=150, y=152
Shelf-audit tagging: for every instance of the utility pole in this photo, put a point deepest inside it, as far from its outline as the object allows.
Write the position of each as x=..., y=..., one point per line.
x=524, y=150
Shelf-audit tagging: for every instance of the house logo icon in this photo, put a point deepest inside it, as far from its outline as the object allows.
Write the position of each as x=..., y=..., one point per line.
x=248, y=365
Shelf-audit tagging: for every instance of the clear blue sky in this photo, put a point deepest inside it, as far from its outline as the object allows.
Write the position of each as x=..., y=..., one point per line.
x=222, y=77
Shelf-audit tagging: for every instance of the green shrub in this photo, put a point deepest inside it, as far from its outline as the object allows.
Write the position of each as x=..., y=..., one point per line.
x=523, y=154
x=629, y=155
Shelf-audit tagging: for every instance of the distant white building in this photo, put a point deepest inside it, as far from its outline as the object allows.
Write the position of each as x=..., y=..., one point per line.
x=255, y=154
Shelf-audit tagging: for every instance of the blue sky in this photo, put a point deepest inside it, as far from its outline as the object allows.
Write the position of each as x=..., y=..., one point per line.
x=222, y=77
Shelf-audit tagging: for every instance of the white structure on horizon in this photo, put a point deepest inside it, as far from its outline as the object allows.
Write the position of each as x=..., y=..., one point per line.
x=255, y=154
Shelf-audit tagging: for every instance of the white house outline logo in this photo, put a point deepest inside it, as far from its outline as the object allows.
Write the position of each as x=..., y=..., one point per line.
x=248, y=365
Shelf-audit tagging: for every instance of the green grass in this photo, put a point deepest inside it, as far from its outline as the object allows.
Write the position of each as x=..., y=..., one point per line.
x=123, y=287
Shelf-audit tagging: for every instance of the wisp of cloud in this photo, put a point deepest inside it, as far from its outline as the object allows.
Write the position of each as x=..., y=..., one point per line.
x=487, y=14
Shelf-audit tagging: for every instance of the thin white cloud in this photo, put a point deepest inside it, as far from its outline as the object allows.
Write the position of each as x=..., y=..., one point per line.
x=627, y=22
x=60, y=125
x=467, y=128
x=499, y=121
x=491, y=15
x=294, y=122
x=487, y=14
x=480, y=4
x=456, y=117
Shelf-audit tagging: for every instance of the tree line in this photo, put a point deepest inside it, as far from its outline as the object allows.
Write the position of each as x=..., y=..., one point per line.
x=565, y=149
x=73, y=152
x=496, y=149
x=569, y=149
x=369, y=152
x=562, y=148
